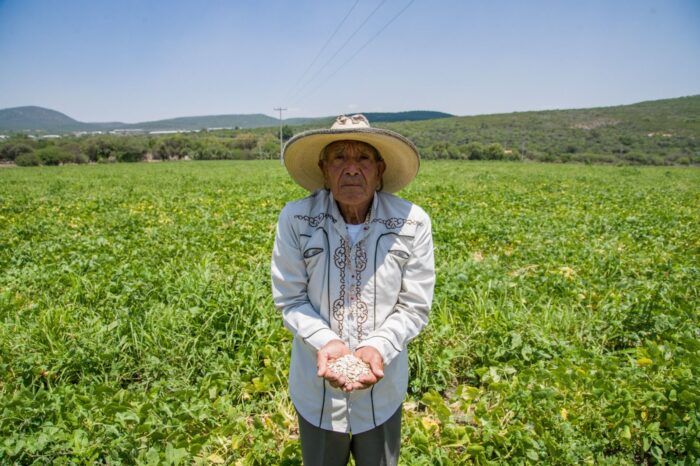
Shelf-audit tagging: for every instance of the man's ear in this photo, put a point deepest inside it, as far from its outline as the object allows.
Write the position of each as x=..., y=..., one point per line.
x=322, y=167
x=381, y=166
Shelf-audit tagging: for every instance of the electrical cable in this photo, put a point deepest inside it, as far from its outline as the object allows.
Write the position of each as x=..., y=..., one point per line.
x=358, y=50
x=339, y=49
x=318, y=55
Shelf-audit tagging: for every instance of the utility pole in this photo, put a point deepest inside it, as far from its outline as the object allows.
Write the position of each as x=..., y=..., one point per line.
x=280, y=109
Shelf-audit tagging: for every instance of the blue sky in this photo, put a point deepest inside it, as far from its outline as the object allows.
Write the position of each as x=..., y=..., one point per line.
x=132, y=60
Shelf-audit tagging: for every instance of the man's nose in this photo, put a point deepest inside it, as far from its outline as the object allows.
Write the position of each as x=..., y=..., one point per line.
x=352, y=167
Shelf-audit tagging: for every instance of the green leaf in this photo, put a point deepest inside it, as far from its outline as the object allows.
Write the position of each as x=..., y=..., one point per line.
x=626, y=433
x=516, y=340
x=433, y=400
x=174, y=456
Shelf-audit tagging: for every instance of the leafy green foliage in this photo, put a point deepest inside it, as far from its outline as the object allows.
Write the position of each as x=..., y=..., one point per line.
x=664, y=132
x=136, y=323
x=650, y=133
x=115, y=149
x=29, y=159
x=415, y=115
x=54, y=155
x=14, y=148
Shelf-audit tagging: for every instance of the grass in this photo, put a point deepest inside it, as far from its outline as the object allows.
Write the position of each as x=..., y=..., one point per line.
x=136, y=324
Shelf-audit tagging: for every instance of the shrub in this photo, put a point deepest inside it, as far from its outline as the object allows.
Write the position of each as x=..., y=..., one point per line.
x=642, y=159
x=494, y=152
x=80, y=158
x=54, y=155
x=116, y=149
x=512, y=156
x=129, y=150
x=245, y=141
x=172, y=147
x=271, y=149
x=13, y=149
x=542, y=156
x=589, y=158
x=28, y=160
x=474, y=151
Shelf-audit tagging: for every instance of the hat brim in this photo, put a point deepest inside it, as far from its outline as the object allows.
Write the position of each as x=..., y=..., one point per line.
x=301, y=155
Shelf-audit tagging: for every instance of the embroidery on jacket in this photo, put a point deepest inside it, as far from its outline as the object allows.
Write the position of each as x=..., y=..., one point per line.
x=359, y=308
x=396, y=222
x=315, y=221
x=340, y=260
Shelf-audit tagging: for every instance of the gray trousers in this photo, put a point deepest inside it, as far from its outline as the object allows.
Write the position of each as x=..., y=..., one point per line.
x=377, y=447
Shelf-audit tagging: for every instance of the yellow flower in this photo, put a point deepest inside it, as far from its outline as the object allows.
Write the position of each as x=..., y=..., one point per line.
x=564, y=414
x=568, y=272
x=429, y=424
x=644, y=362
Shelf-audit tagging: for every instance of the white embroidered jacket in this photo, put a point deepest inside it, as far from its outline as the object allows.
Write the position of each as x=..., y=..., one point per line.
x=376, y=292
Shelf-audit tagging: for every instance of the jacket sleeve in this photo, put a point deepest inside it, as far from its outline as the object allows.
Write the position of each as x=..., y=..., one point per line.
x=289, y=287
x=411, y=311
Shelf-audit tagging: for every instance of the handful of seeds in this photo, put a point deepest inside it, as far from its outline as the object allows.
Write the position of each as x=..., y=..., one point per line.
x=350, y=367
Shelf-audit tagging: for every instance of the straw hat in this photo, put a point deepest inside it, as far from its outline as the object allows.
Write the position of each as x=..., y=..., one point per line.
x=302, y=152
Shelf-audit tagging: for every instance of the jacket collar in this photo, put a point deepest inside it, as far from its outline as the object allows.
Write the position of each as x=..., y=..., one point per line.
x=340, y=225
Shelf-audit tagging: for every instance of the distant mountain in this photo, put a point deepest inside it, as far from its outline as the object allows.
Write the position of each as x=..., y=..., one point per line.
x=256, y=120
x=415, y=115
x=43, y=120
x=373, y=117
x=652, y=132
x=24, y=118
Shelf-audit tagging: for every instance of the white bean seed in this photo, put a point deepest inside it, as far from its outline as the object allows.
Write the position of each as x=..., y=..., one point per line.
x=350, y=367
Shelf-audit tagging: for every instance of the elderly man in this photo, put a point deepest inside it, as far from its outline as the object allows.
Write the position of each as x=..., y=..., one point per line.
x=352, y=273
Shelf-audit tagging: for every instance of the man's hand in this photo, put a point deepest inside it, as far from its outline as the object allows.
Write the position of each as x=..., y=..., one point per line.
x=376, y=366
x=334, y=349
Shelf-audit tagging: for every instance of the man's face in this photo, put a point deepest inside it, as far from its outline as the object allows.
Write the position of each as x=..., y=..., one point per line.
x=352, y=172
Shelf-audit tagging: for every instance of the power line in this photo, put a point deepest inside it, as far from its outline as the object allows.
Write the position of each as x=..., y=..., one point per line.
x=372, y=38
x=340, y=48
x=360, y=49
x=313, y=62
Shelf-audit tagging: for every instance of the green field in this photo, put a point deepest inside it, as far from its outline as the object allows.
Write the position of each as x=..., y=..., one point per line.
x=137, y=326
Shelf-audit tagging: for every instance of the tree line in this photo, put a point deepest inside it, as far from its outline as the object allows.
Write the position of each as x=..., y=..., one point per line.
x=218, y=145
x=654, y=133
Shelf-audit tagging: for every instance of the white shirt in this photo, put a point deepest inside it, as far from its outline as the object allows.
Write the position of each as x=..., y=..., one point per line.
x=354, y=232
x=374, y=292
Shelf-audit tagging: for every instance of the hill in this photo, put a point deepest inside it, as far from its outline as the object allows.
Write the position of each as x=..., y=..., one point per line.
x=417, y=115
x=195, y=123
x=34, y=119
x=648, y=132
x=22, y=118
x=654, y=132
x=373, y=117
x=43, y=120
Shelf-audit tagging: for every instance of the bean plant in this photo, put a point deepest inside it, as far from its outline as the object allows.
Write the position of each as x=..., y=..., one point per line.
x=137, y=326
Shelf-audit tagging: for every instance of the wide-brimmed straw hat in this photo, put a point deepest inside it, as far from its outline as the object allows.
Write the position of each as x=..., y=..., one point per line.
x=301, y=153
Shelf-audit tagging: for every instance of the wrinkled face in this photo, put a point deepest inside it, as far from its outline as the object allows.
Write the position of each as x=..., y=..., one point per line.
x=353, y=171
